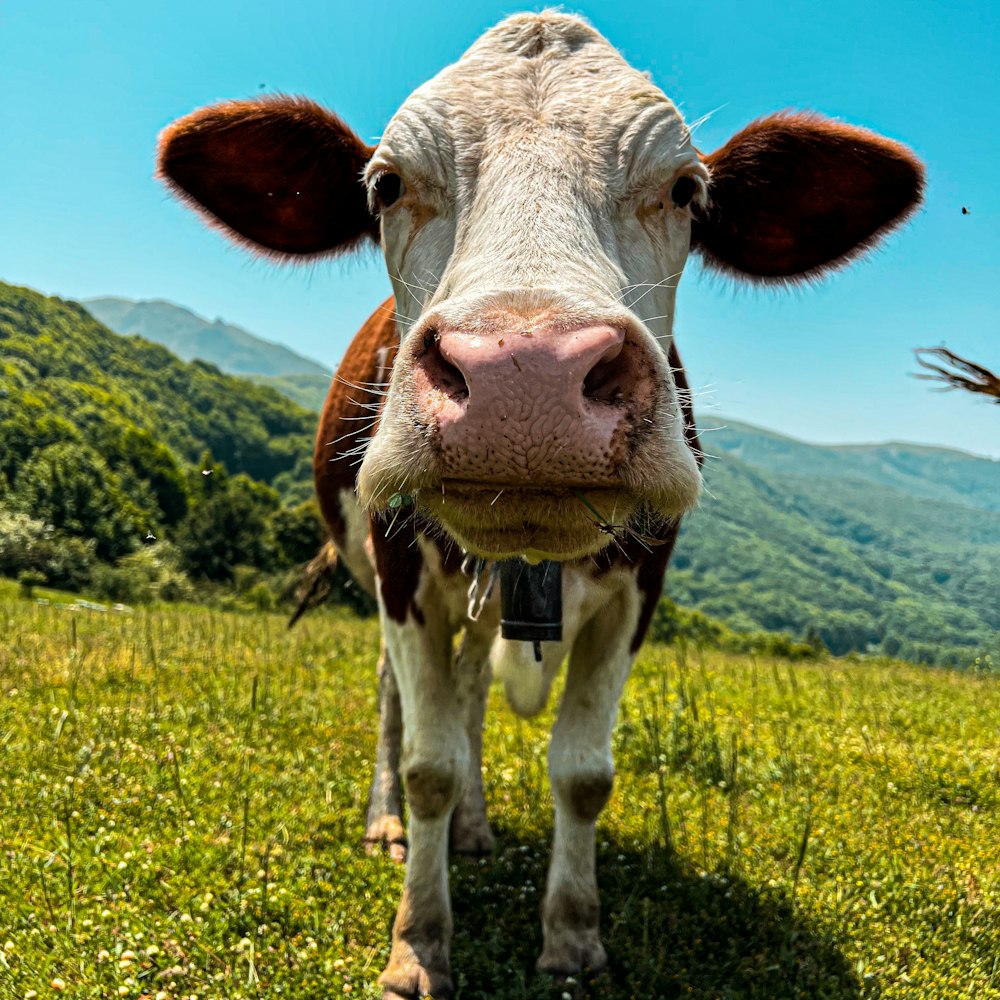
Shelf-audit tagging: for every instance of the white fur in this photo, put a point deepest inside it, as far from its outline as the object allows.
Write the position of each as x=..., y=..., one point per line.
x=537, y=172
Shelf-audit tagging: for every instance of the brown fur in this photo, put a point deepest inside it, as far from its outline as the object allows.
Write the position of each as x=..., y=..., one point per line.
x=343, y=425
x=588, y=796
x=795, y=195
x=279, y=174
x=398, y=561
x=650, y=554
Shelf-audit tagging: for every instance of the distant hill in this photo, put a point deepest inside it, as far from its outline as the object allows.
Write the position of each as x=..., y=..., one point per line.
x=917, y=470
x=889, y=547
x=190, y=336
x=865, y=566
x=307, y=390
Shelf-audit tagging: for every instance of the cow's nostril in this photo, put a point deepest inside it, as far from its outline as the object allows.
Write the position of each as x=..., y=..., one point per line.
x=607, y=381
x=442, y=374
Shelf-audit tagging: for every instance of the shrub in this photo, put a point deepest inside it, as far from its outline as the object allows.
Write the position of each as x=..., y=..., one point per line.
x=672, y=623
x=70, y=486
x=260, y=597
x=28, y=544
x=29, y=579
x=227, y=525
x=151, y=574
x=299, y=533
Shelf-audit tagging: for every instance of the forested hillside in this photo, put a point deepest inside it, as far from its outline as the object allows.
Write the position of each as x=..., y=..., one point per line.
x=864, y=566
x=110, y=444
x=66, y=375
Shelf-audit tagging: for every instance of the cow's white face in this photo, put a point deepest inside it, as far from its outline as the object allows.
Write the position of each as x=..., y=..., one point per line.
x=540, y=185
x=536, y=203
x=540, y=163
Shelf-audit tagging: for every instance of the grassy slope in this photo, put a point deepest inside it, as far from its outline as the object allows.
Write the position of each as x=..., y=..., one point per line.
x=184, y=794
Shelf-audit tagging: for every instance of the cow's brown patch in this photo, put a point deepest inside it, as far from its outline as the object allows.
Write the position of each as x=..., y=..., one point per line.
x=432, y=787
x=650, y=553
x=451, y=553
x=398, y=562
x=344, y=424
x=589, y=794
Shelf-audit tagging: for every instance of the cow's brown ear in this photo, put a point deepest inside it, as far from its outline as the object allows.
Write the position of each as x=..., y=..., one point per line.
x=280, y=172
x=794, y=195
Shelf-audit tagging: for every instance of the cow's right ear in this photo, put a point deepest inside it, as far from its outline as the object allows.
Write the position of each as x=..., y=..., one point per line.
x=281, y=173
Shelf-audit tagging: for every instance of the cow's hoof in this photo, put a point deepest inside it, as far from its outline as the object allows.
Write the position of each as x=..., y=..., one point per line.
x=570, y=955
x=388, y=832
x=474, y=839
x=409, y=980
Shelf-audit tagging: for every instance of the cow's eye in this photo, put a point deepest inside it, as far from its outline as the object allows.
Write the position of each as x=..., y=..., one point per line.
x=388, y=190
x=683, y=191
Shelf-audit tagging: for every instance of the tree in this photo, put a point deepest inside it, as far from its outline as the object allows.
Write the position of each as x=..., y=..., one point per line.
x=71, y=487
x=228, y=523
x=298, y=532
x=955, y=372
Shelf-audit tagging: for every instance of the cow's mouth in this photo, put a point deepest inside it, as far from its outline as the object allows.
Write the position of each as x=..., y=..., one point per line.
x=497, y=521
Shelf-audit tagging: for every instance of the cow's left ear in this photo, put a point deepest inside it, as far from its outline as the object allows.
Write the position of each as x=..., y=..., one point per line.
x=280, y=173
x=794, y=195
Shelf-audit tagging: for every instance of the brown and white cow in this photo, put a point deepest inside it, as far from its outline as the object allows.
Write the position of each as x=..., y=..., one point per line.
x=536, y=203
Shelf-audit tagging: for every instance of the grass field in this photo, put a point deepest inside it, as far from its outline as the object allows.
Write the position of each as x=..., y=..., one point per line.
x=182, y=801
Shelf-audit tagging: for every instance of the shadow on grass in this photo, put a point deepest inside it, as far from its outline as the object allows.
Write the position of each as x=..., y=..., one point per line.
x=669, y=931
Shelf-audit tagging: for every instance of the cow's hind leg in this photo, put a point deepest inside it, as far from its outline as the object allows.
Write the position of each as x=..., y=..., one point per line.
x=385, y=809
x=470, y=829
x=581, y=772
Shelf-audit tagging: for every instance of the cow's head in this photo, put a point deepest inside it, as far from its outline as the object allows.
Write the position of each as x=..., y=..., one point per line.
x=536, y=203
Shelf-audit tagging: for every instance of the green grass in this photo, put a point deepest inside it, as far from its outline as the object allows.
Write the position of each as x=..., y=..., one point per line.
x=182, y=806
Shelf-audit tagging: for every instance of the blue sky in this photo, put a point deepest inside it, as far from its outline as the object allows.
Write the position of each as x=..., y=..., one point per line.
x=88, y=86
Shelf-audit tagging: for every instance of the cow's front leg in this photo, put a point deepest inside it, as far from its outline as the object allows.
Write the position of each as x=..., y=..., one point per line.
x=384, y=824
x=434, y=768
x=470, y=829
x=581, y=772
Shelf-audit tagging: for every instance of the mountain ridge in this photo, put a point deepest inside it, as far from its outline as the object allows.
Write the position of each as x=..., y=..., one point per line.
x=231, y=348
x=925, y=471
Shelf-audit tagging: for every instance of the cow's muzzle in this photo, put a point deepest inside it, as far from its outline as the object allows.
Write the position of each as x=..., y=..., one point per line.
x=535, y=408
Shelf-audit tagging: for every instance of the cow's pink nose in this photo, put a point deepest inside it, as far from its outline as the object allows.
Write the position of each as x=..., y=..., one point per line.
x=577, y=365
x=521, y=405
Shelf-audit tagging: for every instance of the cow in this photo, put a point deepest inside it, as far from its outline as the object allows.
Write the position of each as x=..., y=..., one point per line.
x=521, y=397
